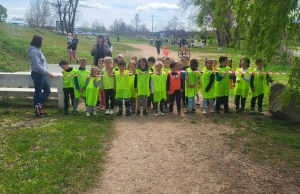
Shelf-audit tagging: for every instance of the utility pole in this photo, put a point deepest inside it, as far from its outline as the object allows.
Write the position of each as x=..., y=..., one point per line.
x=152, y=24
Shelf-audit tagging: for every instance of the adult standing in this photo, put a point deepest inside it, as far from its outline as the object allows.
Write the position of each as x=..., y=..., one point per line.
x=158, y=45
x=73, y=46
x=39, y=72
x=100, y=50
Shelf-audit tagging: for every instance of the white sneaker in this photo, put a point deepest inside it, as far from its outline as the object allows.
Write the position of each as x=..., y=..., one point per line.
x=212, y=110
x=204, y=111
x=107, y=112
x=111, y=111
x=162, y=114
x=88, y=114
x=156, y=113
x=94, y=113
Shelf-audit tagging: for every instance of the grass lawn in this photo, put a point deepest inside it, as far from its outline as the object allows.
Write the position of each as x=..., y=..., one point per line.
x=64, y=154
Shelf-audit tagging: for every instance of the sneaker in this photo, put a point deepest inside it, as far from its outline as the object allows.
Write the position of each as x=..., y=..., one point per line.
x=120, y=113
x=170, y=113
x=204, y=111
x=107, y=112
x=111, y=111
x=218, y=112
x=94, y=113
x=88, y=114
x=138, y=113
x=36, y=111
x=128, y=113
x=66, y=112
x=251, y=111
x=41, y=111
x=162, y=113
x=155, y=113
x=74, y=112
x=145, y=113
x=188, y=112
x=178, y=113
x=261, y=112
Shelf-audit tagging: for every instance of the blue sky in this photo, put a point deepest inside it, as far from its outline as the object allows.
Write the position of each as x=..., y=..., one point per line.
x=107, y=11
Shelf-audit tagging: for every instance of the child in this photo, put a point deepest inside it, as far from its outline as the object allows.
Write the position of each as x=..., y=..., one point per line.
x=101, y=102
x=79, y=83
x=158, y=88
x=192, y=79
x=185, y=60
x=115, y=64
x=69, y=41
x=151, y=62
x=208, y=87
x=259, y=85
x=92, y=84
x=174, y=87
x=108, y=84
x=166, y=51
x=132, y=67
x=134, y=58
x=242, y=85
x=68, y=83
x=123, y=88
x=142, y=85
x=222, y=86
x=166, y=69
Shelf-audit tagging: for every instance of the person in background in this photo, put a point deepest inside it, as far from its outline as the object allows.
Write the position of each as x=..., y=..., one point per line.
x=73, y=48
x=69, y=41
x=107, y=41
x=39, y=72
x=158, y=45
x=120, y=57
x=100, y=50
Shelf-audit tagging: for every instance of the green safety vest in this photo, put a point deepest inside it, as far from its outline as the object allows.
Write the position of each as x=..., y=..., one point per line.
x=205, y=81
x=260, y=83
x=222, y=87
x=68, y=79
x=123, y=84
x=160, y=91
x=143, y=82
x=242, y=87
x=192, y=77
x=92, y=92
x=81, y=77
x=108, y=81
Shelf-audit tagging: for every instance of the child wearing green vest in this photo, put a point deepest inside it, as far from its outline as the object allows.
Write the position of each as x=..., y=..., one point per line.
x=68, y=83
x=208, y=87
x=158, y=88
x=192, y=78
x=92, y=84
x=166, y=70
x=142, y=85
x=123, y=91
x=79, y=83
x=259, y=85
x=151, y=62
x=108, y=84
x=132, y=67
x=242, y=84
x=101, y=99
x=222, y=84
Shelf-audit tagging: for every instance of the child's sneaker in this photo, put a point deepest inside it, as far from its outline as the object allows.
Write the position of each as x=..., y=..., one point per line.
x=170, y=113
x=36, y=111
x=138, y=113
x=162, y=113
x=74, y=112
x=179, y=113
x=155, y=113
x=204, y=111
x=88, y=114
x=107, y=112
x=94, y=113
x=111, y=111
x=145, y=113
x=193, y=111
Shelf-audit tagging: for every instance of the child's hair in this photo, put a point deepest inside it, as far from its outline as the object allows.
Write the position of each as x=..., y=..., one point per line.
x=246, y=60
x=63, y=62
x=115, y=60
x=82, y=59
x=94, y=68
x=101, y=60
x=122, y=63
x=173, y=64
x=167, y=58
x=134, y=57
x=259, y=60
x=145, y=61
x=132, y=62
x=186, y=57
x=151, y=59
x=157, y=63
x=194, y=64
x=222, y=58
x=106, y=59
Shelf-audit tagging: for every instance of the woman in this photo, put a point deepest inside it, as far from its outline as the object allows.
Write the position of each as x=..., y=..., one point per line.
x=39, y=71
x=73, y=47
x=158, y=45
x=107, y=41
x=100, y=50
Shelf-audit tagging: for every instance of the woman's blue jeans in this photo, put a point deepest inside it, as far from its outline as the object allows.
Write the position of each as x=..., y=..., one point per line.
x=41, y=88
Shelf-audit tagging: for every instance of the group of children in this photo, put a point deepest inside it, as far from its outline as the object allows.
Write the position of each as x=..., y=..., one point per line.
x=162, y=81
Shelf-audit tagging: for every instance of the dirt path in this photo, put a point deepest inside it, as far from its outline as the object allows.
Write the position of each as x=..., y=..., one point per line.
x=181, y=154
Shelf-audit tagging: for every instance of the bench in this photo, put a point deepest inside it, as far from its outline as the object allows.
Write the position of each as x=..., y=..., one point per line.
x=20, y=84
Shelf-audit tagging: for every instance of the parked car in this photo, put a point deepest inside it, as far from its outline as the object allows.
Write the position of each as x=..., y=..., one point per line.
x=18, y=21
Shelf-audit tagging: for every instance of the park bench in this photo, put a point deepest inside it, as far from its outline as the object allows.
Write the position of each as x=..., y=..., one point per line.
x=20, y=84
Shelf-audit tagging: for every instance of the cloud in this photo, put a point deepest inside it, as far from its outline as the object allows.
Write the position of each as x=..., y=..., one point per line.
x=94, y=5
x=157, y=6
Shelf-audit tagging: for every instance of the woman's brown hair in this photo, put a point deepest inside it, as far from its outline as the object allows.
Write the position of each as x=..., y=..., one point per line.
x=36, y=41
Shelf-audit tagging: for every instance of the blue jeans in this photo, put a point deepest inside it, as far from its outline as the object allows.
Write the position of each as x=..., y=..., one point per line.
x=41, y=88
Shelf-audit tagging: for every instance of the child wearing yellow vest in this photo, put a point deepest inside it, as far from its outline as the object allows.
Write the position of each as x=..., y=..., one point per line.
x=166, y=70
x=101, y=92
x=208, y=87
x=92, y=84
x=79, y=83
x=131, y=68
x=242, y=85
x=68, y=83
x=142, y=85
x=123, y=91
x=222, y=84
x=158, y=88
x=108, y=84
x=151, y=62
x=192, y=78
x=259, y=85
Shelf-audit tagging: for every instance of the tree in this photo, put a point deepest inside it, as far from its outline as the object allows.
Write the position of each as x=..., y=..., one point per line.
x=136, y=22
x=174, y=28
x=38, y=14
x=98, y=26
x=3, y=13
x=85, y=26
x=119, y=27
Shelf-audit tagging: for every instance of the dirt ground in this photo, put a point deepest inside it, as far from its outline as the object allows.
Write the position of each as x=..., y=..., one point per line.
x=181, y=154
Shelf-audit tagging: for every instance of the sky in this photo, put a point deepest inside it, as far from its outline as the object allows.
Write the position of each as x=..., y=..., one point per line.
x=107, y=11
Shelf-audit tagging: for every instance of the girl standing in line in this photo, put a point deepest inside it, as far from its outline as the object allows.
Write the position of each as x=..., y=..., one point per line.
x=132, y=67
x=108, y=84
x=92, y=84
